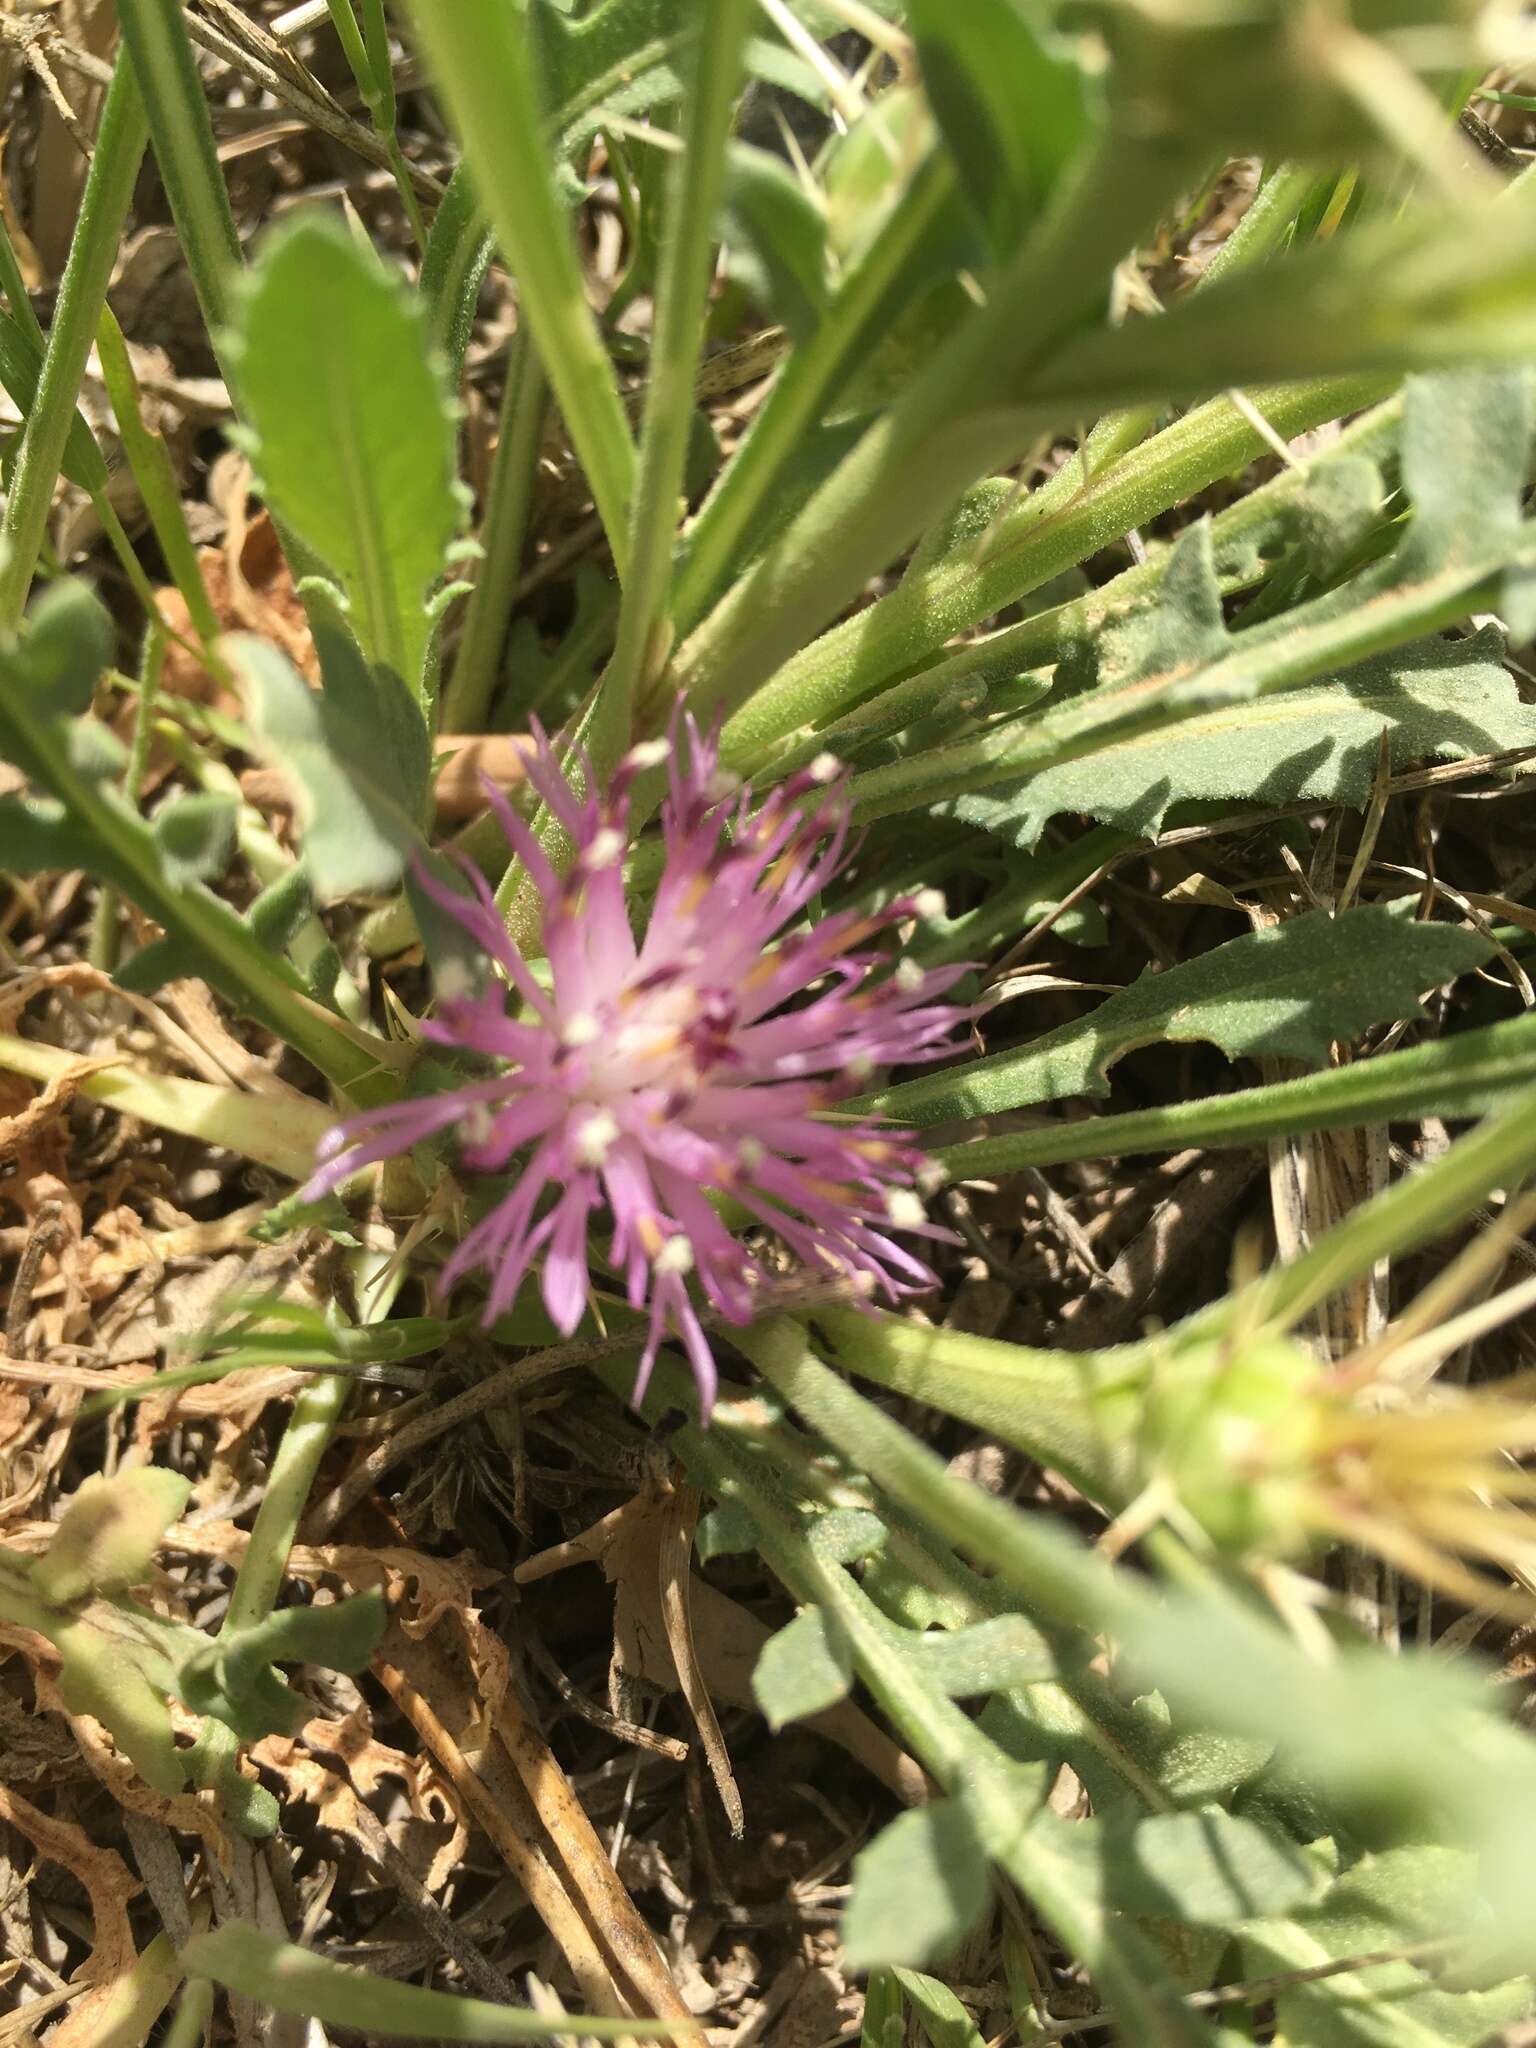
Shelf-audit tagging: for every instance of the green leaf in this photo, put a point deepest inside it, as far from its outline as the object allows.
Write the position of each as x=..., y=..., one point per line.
x=1341, y=505
x=68, y=644
x=453, y=267
x=1208, y=1868
x=918, y=1888
x=1465, y=454
x=775, y=239
x=1408, y=295
x=1245, y=77
x=805, y=1668
x=1012, y=111
x=110, y=1531
x=196, y=835
x=883, y=2009
x=943, y=2019
x=988, y=1656
x=456, y=961
x=281, y=908
x=1433, y=699
x=726, y=1531
x=1289, y=990
x=374, y=722
x=232, y=1678
x=102, y=1675
x=146, y=971
x=1393, y=1900
x=628, y=57
x=963, y=526
x=78, y=762
x=1204, y=1764
x=286, y=1978
x=349, y=426
x=864, y=177
x=620, y=57
x=38, y=837
x=21, y=362
x=352, y=772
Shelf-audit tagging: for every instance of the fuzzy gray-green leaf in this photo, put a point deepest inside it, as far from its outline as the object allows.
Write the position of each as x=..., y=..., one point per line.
x=1289, y=990
x=1207, y=1868
x=349, y=426
x=806, y=1667
x=918, y=1887
x=351, y=786
x=1435, y=700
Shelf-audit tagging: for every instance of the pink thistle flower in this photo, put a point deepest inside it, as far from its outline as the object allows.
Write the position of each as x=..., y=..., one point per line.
x=700, y=1060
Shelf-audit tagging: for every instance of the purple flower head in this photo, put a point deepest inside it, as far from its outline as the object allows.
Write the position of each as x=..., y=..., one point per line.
x=642, y=1077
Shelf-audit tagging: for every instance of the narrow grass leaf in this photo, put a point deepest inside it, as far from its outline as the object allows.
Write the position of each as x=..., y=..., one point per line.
x=287, y=1978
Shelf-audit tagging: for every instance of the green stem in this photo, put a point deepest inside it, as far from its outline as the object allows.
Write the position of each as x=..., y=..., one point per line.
x=104, y=932
x=156, y=39
x=481, y=52
x=369, y=62
x=1313, y=644
x=696, y=180
x=116, y=535
x=503, y=533
x=281, y=1135
x=802, y=392
x=92, y=252
x=958, y=421
x=155, y=34
x=350, y=36
x=312, y=1421
x=155, y=476
x=1059, y=1407
x=1057, y=527
x=1039, y=640
x=1452, y=1077
x=1500, y=1153
x=189, y=2023
x=1057, y=1579
x=968, y=1765
x=1258, y=235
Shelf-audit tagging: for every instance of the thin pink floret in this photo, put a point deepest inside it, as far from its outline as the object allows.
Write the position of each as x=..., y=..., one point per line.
x=642, y=1077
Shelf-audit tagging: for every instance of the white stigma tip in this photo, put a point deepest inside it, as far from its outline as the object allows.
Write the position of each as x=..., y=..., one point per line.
x=580, y=1030
x=909, y=976
x=675, y=1256
x=649, y=754
x=928, y=904
x=905, y=1209
x=478, y=1125
x=859, y=1066
x=721, y=784
x=606, y=850
x=931, y=1177
x=825, y=768
x=863, y=1284
x=594, y=1139
x=750, y=1153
